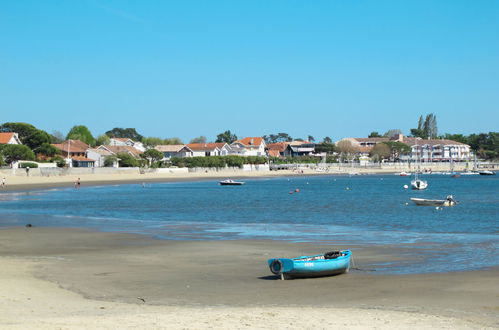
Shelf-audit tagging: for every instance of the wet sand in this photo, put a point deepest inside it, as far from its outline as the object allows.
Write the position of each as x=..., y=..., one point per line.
x=73, y=278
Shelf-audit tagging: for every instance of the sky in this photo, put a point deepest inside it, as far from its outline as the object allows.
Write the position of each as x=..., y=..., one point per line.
x=337, y=68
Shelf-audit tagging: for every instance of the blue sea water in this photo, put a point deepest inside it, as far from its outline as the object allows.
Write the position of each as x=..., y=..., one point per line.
x=338, y=210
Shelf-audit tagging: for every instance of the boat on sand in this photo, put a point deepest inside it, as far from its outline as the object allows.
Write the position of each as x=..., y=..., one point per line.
x=330, y=263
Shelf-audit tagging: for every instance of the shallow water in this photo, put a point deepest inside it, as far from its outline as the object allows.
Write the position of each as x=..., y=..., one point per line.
x=338, y=210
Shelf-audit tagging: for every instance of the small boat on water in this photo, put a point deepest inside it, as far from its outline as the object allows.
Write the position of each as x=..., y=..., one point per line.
x=419, y=184
x=448, y=201
x=403, y=174
x=469, y=173
x=230, y=182
x=330, y=263
x=485, y=172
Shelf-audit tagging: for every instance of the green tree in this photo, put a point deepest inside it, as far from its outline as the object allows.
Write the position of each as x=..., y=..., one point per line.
x=127, y=160
x=102, y=139
x=14, y=152
x=47, y=150
x=82, y=133
x=151, y=142
x=174, y=140
x=310, y=138
x=37, y=138
x=152, y=156
x=327, y=139
x=397, y=149
x=374, y=135
x=328, y=148
x=199, y=139
x=128, y=133
x=226, y=137
x=28, y=134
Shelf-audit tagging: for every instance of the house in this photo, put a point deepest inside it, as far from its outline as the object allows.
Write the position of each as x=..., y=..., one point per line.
x=430, y=150
x=209, y=149
x=174, y=150
x=72, y=148
x=135, y=153
x=249, y=146
x=99, y=156
x=299, y=148
x=277, y=149
x=76, y=151
x=127, y=142
x=9, y=138
x=438, y=150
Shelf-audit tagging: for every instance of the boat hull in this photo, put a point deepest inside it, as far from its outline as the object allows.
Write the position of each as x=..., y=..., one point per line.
x=432, y=202
x=222, y=183
x=311, y=266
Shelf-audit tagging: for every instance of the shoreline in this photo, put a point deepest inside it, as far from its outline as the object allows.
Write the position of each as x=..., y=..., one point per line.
x=221, y=283
x=22, y=183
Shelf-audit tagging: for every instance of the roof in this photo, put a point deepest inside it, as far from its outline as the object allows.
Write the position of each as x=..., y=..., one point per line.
x=279, y=146
x=170, y=147
x=102, y=152
x=122, y=149
x=299, y=143
x=433, y=142
x=121, y=139
x=374, y=139
x=204, y=146
x=82, y=159
x=273, y=152
x=250, y=141
x=6, y=137
x=72, y=145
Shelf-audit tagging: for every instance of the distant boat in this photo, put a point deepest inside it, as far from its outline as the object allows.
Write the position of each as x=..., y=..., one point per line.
x=469, y=173
x=230, y=182
x=456, y=175
x=485, y=172
x=330, y=263
x=417, y=183
x=403, y=174
x=448, y=201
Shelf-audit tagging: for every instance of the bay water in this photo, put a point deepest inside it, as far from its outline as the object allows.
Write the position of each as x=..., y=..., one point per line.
x=338, y=210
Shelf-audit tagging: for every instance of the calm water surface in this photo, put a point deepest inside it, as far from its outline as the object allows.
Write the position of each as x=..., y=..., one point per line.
x=340, y=210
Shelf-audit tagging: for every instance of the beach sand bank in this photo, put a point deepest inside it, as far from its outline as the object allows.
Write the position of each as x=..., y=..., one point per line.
x=23, y=182
x=73, y=278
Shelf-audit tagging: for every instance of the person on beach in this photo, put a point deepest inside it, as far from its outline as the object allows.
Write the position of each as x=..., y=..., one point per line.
x=27, y=170
x=77, y=184
x=3, y=182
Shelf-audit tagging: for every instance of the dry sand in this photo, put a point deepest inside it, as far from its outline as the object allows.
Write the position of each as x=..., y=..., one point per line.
x=54, y=278
x=22, y=182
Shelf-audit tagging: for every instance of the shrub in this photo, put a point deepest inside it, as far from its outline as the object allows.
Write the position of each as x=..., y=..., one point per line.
x=27, y=164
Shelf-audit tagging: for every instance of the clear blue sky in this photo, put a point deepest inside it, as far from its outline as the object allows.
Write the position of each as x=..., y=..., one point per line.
x=187, y=68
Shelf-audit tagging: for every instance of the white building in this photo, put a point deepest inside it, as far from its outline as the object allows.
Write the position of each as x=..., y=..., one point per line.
x=127, y=142
x=249, y=146
x=9, y=138
x=174, y=150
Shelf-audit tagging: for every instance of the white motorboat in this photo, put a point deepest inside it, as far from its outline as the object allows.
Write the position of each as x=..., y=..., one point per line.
x=230, y=182
x=418, y=184
x=448, y=201
x=485, y=172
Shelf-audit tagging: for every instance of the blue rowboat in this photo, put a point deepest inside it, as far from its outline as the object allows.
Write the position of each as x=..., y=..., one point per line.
x=330, y=263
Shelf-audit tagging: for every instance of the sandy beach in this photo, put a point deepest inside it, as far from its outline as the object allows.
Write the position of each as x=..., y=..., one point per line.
x=56, y=278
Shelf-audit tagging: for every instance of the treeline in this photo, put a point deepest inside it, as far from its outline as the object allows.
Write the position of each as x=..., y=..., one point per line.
x=217, y=161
